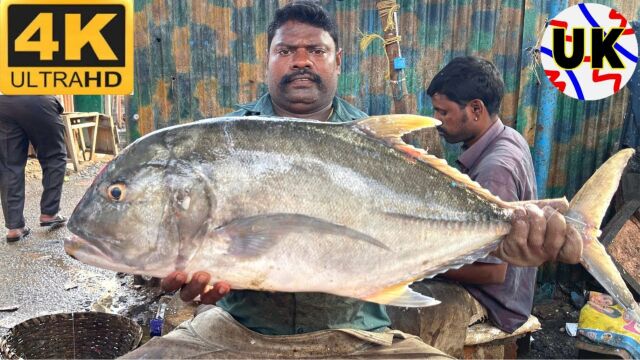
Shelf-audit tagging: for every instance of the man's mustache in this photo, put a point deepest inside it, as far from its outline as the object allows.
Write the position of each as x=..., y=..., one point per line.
x=304, y=72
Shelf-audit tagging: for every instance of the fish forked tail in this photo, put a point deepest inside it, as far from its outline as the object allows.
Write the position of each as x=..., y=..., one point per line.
x=586, y=210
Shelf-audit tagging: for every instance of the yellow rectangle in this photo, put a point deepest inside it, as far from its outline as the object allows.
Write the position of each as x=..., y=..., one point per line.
x=62, y=71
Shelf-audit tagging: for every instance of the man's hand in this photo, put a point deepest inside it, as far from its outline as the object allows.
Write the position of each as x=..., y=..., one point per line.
x=199, y=285
x=539, y=233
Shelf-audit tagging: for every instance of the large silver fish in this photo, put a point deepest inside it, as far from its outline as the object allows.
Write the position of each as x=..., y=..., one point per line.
x=284, y=205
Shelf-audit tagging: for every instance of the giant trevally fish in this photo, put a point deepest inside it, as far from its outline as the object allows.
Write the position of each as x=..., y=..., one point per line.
x=288, y=205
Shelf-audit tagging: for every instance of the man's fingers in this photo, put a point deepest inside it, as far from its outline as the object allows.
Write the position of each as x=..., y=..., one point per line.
x=514, y=246
x=571, y=251
x=537, y=227
x=217, y=292
x=222, y=288
x=173, y=281
x=197, y=286
x=560, y=204
x=540, y=234
x=556, y=231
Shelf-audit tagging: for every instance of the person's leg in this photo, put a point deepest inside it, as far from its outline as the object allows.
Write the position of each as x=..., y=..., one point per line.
x=52, y=156
x=404, y=346
x=13, y=158
x=46, y=132
x=213, y=333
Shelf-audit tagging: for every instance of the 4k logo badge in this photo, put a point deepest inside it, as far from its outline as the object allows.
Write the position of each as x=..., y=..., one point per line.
x=66, y=47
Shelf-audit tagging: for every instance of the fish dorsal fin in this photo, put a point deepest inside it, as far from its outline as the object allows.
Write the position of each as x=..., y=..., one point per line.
x=391, y=127
x=402, y=295
x=460, y=179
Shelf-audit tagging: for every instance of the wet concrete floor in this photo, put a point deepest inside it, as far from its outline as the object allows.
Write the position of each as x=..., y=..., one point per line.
x=37, y=277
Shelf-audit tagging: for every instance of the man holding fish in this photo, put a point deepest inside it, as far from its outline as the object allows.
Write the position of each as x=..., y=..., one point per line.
x=466, y=96
x=303, y=68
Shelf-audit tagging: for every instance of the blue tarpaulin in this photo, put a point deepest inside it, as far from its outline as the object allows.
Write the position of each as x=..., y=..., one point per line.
x=631, y=128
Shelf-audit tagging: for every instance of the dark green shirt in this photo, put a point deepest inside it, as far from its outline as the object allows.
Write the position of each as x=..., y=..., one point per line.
x=277, y=313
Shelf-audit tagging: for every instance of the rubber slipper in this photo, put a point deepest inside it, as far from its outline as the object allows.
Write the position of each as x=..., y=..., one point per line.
x=25, y=232
x=59, y=219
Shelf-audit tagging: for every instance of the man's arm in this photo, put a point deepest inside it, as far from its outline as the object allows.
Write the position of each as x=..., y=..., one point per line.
x=478, y=273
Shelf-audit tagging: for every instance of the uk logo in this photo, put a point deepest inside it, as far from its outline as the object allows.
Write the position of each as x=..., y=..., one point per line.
x=589, y=51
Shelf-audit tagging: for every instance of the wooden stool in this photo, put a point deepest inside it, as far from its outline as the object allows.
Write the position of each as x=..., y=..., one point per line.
x=78, y=122
x=484, y=341
x=445, y=326
x=108, y=139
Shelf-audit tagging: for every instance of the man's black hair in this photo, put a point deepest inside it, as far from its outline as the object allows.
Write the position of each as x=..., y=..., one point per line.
x=467, y=78
x=306, y=12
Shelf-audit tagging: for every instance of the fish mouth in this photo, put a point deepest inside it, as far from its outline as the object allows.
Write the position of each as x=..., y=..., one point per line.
x=78, y=248
x=84, y=251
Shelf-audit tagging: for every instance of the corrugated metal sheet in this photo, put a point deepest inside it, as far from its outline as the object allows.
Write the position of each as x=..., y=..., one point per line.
x=584, y=134
x=630, y=136
x=196, y=59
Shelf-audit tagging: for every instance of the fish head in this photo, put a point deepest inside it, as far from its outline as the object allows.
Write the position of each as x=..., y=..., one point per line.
x=142, y=213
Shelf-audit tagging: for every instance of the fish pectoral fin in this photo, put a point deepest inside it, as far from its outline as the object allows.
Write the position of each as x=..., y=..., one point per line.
x=392, y=127
x=253, y=236
x=402, y=295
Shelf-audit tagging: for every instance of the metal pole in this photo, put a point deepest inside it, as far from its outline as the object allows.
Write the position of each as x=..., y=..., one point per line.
x=544, y=124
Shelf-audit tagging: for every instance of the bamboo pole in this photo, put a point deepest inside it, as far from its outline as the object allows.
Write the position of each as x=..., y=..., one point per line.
x=388, y=12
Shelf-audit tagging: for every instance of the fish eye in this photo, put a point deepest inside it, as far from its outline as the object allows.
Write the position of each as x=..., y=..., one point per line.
x=116, y=191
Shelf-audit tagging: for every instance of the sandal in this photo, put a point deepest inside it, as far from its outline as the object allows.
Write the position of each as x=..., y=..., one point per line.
x=59, y=219
x=25, y=232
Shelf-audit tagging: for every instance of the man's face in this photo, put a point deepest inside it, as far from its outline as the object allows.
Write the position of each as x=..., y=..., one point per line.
x=303, y=68
x=456, y=126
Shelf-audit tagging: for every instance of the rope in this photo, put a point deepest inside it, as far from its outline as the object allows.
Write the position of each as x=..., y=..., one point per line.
x=386, y=10
x=534, y=53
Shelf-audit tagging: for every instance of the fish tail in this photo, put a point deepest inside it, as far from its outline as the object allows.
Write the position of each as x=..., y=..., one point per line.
x=586, y=210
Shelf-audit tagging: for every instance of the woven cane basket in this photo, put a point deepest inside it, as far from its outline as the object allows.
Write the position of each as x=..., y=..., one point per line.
x=81, y=335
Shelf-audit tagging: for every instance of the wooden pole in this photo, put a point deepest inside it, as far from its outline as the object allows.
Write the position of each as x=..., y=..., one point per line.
x=428, y=138
x=392, y=45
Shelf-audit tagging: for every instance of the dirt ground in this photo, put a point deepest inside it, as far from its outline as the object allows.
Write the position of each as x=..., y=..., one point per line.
x=553, y=342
